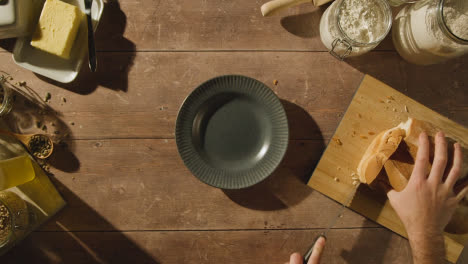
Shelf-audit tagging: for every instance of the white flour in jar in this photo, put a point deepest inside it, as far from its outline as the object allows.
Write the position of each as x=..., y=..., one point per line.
x=362, y=21
x=418, y=36
x=456, y=17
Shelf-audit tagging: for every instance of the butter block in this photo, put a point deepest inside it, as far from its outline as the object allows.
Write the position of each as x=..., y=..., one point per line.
x=57, y=28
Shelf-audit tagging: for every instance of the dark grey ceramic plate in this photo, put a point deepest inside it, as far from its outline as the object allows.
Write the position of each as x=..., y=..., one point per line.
x=232, y=132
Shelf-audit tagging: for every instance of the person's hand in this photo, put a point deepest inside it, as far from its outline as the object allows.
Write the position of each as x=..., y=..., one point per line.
x=319, y=245
x=428, y=202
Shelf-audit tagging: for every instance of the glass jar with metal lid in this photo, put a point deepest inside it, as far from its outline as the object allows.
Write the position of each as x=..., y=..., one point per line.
x=432, y=31
x=353, y=27
x=14, y=218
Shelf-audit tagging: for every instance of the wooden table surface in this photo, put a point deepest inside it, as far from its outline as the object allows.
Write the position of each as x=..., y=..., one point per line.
x=131, y=199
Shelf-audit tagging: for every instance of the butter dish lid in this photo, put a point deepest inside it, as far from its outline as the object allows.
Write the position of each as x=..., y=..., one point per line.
x=7, y=12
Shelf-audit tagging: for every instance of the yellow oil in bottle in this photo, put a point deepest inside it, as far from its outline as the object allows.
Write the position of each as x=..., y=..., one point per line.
x=16, y=171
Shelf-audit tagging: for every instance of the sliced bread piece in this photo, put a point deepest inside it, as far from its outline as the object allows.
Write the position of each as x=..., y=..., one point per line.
x=378, y=152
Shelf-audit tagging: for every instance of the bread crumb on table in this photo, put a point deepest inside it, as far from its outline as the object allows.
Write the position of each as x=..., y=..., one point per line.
x=337, y=141
x=275, y=82
x=364, y=137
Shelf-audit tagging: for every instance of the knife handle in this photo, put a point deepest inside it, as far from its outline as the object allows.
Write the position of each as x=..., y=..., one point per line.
x=311, y=249
x=91, y=46
x=275, y=6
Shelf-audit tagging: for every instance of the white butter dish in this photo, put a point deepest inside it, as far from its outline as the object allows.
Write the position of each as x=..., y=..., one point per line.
x=51, y=66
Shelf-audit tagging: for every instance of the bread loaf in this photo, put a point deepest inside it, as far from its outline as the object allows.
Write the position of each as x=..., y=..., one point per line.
x=400, y=164
x=414, y=127
x=398, y=173
x=378, y=152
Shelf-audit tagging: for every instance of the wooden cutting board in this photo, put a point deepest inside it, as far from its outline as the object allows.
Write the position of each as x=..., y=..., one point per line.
x=375, y=107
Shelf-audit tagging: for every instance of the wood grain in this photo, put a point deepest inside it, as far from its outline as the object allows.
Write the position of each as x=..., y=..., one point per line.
x=151, y=189
x=208, y=25
x=144, y=103
x=376, y=107
x=255, y=246
x=121, y=174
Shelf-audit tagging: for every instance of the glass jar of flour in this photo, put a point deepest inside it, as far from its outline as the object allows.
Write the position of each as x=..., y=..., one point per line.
x=432, y=31
x=353, y=27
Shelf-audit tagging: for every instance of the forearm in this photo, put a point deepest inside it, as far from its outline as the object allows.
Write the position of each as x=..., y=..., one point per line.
x=427, y=248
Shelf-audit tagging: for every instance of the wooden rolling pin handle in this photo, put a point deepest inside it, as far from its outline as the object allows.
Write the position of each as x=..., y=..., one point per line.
x=275, y=6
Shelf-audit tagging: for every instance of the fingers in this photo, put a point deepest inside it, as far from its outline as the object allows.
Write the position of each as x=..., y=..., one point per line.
x=295, y=258
x=422, y=159
x=318, y=250
x=462, y=194
x=455, y=171
x=440, y=159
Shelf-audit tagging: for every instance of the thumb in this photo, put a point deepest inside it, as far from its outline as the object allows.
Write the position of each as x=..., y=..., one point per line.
x=318, y=250
x=391, y=194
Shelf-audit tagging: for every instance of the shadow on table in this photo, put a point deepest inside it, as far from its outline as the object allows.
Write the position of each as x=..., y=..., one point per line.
x=463, y=258
x=385, y=66
x=31, y=115
x=372, y=244
x=304, y=25
x=112, y=67
x=440, y=87
x=69, y=246
x=423, y=83
x=7, y=44
x=287, y=185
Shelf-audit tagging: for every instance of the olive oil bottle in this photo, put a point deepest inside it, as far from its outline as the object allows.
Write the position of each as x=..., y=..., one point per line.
x=16, y=171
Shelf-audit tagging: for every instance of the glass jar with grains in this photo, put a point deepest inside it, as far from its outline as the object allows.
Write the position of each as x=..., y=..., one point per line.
x=6, y=97
x=14, y=218
x=353, y=27
x=432, y=31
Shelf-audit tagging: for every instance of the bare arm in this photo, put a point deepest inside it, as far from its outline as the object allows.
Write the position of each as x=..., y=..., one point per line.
x=428, y=202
